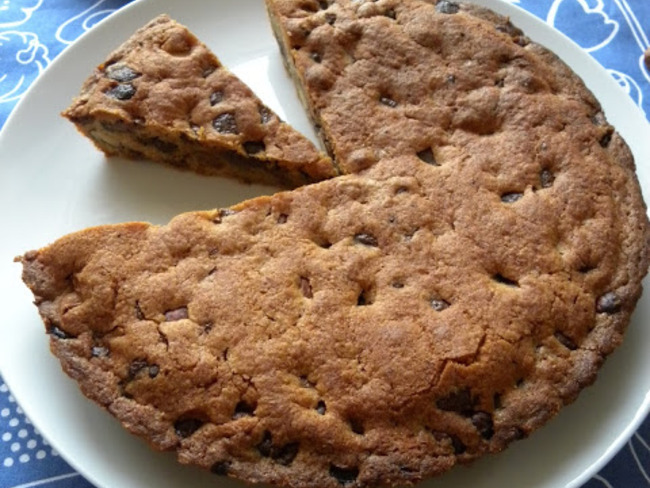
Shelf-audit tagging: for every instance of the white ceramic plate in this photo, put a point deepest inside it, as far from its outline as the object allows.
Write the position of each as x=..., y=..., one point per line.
x=53, y=181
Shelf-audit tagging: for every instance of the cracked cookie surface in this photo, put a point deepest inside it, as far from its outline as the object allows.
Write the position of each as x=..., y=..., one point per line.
x=366, y=330
x=380, y=327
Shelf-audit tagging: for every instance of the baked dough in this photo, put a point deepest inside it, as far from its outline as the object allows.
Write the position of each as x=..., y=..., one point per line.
x=449, y=296
x=164, y=96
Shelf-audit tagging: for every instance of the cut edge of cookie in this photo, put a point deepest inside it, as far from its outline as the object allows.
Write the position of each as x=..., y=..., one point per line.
x=211, y=135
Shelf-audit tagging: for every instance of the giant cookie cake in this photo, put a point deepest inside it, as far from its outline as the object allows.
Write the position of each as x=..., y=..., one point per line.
x=452, y=291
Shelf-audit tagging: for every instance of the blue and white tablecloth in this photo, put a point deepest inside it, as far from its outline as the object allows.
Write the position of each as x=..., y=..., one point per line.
x=34, y=32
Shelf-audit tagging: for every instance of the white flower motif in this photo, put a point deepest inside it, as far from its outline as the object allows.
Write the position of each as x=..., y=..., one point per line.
x=16, y=12
x=72, y=28
x=629, y=85
x=643, y=67
x=606, y=484
x=24, y=58
x=585, y=21
x=640, y=451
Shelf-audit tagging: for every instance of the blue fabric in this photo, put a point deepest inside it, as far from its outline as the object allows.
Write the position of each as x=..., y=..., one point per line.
x=34, y=32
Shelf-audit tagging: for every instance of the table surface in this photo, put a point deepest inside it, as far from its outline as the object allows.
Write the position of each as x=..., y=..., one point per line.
x=34, y=32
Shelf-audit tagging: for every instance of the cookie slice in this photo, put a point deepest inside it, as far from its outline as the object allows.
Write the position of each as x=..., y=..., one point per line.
x=165, y=97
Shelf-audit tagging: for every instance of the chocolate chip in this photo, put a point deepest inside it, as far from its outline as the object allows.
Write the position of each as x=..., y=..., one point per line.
x=397, y=284
x=282, y=218
x=216, y=97
x=243, y=409
x=446, y=7
x=565, y=341
x=165, y=147
x=330, y=18
x=364, y=298
x=484, y=424
x=599, y=119
x=285, y=455
x=606, y=139
x=99, y=352
x=496, y=401
x=366, y=240
x=305, y=382
x=176, y=314
x=451, y=79
x=121, y=73
x=427, y=156
x=321, y=407
x=254, y=147
x=510, y=29
x=409, y=235
x=511, y=197
x=316, y=57
x=220, y=468
x=499, y=278
x=223, y=212
x=323, y=4
x=187, y=426
x=646, y=58
x=265, y=446
x=459, y=401
x=138, y=311
x=225, y=123
x=609, y=303
x=586, y=268
x=546, y=178
x=136, y=366
x=208, y=71
x=265, y=114
x=305, y=287
x=439, y=304
x=458, y=445
x=516, y=434
x=389, y=102
x=500, y=83
x=357, y=426
x=391, y=14
x=123, y=91
x=344, y=476
x=59, y=333
x=154, y=369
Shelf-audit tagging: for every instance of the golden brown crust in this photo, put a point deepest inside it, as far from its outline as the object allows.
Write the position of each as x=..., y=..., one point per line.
x=388, y=78
x=164, y=96
x=366, y=330
x=377, y=328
